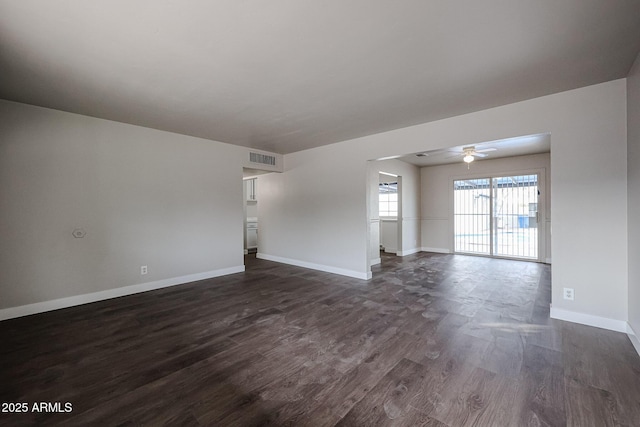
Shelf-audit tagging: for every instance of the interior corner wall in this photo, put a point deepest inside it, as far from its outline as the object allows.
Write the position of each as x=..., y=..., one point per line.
x=319, y=212
x=633, y=173
x=437, y=184
x=410, y=199
x=143, y=197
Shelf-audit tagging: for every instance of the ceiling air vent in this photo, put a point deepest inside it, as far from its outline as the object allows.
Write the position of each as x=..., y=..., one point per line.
x=263, y=159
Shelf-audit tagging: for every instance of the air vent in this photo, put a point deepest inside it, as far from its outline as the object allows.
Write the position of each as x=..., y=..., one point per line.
x=263, y=159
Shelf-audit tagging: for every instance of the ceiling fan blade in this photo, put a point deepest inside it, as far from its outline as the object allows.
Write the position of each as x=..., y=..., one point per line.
x=486, y=150
x=480, y=154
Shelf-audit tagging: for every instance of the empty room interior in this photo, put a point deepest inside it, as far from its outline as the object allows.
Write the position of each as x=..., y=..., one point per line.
x=363, y=213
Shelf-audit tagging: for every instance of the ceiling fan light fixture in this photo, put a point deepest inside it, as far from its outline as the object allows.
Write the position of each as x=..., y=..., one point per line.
x=468, y=158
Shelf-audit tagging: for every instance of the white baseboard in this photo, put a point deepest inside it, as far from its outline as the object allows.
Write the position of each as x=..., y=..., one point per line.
x=589, y=320
x=547, y=261
x=634, y=338
x=390, y=251
x=408, y=252
x=41, y=307
x=246, y=251
x=313, y=266
x=376, y=261
x=437, y=250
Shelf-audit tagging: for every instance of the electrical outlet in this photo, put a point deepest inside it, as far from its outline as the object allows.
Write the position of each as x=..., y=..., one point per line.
x=568, y=293
x=143, y=269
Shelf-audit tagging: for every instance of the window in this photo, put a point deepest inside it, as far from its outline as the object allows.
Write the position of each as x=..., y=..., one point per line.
x=388, y=199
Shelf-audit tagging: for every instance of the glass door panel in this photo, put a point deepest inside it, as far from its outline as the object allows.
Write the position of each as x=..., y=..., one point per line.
x=515, y=211
x=472, y=215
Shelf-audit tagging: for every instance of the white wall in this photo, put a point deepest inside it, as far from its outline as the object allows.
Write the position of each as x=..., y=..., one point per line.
x=314, y=214
x=389, y=235
x=633, y=129
x=437, y=184
x=144, y=197
x=382, y=178
x=589, y=194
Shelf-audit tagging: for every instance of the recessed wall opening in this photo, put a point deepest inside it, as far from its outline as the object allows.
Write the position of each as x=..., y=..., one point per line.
x=502, y=200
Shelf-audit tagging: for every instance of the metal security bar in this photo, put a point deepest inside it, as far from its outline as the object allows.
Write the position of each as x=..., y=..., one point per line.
x=515, y=207
x=497, y=216
x=472, y=215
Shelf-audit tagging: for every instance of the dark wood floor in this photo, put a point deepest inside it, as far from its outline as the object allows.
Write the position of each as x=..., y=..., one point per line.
x=432, y=340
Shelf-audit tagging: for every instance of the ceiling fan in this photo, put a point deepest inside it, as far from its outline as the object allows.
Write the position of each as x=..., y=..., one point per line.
x=470, y=153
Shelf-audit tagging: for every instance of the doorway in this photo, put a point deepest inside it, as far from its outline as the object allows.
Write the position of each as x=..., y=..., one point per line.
x=250, y=203
x=497, y=216
x=251, y=215
x=389, y=212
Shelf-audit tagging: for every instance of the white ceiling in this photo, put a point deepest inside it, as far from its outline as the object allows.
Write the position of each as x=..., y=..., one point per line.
x=287, y=75
x=520, y=146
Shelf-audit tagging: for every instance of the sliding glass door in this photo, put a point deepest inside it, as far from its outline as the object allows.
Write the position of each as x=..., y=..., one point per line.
x=497, y=216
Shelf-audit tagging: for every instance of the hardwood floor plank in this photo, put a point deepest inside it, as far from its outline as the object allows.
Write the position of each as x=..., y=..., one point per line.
x=342, y=394
x=589, y=406
x=476, y=396
x=201, y=384
x=432, y=339
x=389, y=400
x=543, y=378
